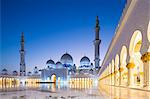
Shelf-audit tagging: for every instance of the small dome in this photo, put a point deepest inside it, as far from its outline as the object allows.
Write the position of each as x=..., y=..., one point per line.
x=59, y=65
x=50, y=64
x=15, y=73
x=29, y=73
x=4, y=70
x=67, y=59
x=36, y=72
x=84, y=61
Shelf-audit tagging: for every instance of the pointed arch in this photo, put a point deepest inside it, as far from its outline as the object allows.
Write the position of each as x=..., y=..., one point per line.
x=136, y=73
x=123, y=63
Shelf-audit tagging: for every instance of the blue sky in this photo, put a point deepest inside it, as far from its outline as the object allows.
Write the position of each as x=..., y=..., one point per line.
x=54, y=27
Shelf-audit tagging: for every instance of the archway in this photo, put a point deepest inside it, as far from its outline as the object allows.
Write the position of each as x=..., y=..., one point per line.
x=136, y=76
x=53, y=78
x=123, y=69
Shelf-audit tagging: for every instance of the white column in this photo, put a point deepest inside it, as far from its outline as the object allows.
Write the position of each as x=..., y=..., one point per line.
x=130, y=67
x=147, y=74
x=120, y=76
x=146, y=60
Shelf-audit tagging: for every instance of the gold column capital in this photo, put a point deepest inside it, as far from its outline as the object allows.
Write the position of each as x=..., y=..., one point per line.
x=120, y=69
x=146, y=57
x=130, y=65
x=141, y=73
x=135, y=74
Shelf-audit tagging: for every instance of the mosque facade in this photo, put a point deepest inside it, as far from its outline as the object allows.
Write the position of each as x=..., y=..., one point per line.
x=66, y=68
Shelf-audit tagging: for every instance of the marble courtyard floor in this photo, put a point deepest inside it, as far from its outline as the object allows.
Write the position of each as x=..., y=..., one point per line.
x=65, y=92
x=124, y=93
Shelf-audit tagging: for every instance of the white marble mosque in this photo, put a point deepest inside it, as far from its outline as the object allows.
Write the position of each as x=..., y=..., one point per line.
x=124, y=72
x=61, y=71
x=57, y=75
x=66, y=68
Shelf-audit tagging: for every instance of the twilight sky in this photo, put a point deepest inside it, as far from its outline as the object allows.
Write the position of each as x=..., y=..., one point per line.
x=54, y=27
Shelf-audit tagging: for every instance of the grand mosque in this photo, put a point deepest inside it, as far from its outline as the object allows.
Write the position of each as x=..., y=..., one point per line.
x=63, y=69
x=123, y=74
x=66, y=68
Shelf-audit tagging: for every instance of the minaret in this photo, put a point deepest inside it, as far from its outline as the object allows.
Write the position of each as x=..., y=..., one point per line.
x=97, y=42
x=22, y=57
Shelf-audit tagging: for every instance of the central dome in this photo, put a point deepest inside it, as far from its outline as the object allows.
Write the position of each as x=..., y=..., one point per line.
x=67, y=59
x=84, y=61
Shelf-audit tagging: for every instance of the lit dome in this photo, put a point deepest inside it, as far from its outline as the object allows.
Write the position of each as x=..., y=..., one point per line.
x=67, y=59
x=36, y=70
x=50, y=64
x=59, y=65
x=29, y=73
x=15, y=73
x=84, y=61
x=4, y=72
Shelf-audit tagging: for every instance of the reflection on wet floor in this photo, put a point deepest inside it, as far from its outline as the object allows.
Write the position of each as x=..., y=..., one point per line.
x=40, y=95
x=75, y=90
x=71, y=90
x=73, y=84
x=124, y=93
